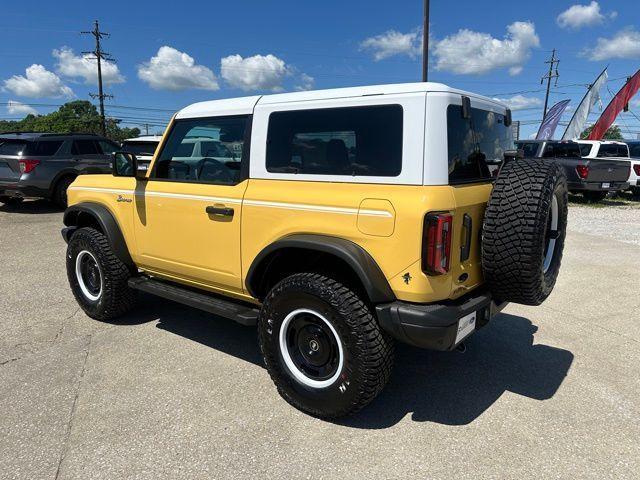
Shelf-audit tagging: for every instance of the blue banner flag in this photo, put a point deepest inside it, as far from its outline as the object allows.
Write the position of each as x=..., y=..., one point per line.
x=550, y=122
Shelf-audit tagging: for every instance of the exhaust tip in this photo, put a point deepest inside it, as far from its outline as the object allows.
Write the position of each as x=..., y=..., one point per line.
x=461, y=347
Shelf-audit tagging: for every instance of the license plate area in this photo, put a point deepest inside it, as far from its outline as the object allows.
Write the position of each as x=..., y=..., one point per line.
x=606, y=185
x=466, y=326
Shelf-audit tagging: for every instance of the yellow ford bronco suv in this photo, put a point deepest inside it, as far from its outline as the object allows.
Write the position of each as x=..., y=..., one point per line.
x=337, y=221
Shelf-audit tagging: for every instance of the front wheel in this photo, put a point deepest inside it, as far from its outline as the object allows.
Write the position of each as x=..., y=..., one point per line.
x=322, y=346
x=98, y=278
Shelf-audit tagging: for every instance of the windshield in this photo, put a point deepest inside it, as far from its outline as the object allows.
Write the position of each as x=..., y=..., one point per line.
x=140, y=148
x=530, y=149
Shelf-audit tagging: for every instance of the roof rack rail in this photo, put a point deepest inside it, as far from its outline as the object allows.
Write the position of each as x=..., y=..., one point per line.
x=53, y=134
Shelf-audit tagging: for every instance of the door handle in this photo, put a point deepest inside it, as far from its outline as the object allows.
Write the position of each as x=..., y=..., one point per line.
x=465, y=249
x=224, y=211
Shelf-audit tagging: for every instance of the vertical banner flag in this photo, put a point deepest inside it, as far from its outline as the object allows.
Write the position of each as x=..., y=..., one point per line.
x=615, y=107
x=579, y=119
x=550, y=121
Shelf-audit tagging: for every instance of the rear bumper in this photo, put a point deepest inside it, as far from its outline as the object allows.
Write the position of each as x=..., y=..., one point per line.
x=597, y=186
x=434, y=326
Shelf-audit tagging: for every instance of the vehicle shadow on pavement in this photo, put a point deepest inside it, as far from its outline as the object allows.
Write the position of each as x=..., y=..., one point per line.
x=452, y=388
x=32, y=207
x=449, y=388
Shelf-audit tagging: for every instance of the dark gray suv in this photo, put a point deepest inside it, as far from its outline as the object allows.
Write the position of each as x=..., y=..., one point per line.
x=43, y=165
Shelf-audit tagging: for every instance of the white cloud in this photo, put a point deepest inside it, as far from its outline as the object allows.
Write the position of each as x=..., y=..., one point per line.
x=38, y=82
x=171, y=69
x=469, y=52
x=260, y=72
x=624, y=44
x=305, y=82
x=19, y=108
x=578, y=16
x=520, y=102
x=393, y=43
x=72, y=65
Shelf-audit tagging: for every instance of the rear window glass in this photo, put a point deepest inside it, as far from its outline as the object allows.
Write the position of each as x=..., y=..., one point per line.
x=585, y=149
x=46, y=149
x=12, y=147
x=357, y=141
x=613, y=150
x=476, y=145
x=140, y=148
x=530, y=149
x=634, y=150
x=562, y=150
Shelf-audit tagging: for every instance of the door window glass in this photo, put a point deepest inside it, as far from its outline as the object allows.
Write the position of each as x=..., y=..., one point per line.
x=203, y=150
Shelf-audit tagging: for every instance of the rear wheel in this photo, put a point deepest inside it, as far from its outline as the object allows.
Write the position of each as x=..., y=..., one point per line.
x=322, y=346
x=60, y=191
x=594, y=196
x=98, y=278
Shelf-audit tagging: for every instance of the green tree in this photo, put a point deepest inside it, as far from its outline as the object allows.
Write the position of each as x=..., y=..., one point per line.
x=613, y=133
x=76, y=116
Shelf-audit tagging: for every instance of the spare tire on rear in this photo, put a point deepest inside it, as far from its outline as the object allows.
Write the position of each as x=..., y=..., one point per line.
x=524, y=229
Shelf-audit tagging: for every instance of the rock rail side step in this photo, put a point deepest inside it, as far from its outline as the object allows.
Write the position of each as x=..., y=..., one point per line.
x=238, y=312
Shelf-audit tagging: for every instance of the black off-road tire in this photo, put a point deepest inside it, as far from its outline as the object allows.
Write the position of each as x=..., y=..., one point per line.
x=516, y=231
x=367, y=351
x=60, y=191
x=116, y=298
x=594, y=196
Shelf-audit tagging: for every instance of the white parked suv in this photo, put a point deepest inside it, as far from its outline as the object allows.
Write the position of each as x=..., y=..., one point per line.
x=142, y=147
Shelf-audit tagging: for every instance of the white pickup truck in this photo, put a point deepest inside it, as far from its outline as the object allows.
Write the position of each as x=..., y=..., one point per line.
x=611, y=150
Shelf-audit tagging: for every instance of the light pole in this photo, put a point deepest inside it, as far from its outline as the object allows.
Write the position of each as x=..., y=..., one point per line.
x=425, y=42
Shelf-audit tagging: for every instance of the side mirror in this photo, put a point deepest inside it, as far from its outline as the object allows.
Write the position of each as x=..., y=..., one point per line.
x=125, y=164
x=507, y=118
x=466, y=107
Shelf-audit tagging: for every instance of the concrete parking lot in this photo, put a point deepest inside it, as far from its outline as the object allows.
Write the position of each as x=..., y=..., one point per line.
x=170, y=392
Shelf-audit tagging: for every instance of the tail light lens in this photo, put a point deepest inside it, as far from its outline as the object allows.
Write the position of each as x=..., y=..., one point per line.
x=436, y=243
x=636, y=168
x=27, y=166
x=582, y=171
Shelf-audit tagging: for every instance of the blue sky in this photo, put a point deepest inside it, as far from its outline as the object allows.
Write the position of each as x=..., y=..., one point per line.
x=170, y=57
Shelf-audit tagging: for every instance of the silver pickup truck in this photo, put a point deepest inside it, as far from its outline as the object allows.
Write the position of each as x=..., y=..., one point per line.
x=593, y=177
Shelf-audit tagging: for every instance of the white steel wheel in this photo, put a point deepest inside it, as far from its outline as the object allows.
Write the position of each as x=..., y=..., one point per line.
x=311, y=348
x=552, y=234
x=89, y=275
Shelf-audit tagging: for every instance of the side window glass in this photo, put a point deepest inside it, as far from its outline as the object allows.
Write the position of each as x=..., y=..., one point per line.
x=203, y=150
x=84, y=147
x=358, y=141
x=107, y=148
x=46, y=148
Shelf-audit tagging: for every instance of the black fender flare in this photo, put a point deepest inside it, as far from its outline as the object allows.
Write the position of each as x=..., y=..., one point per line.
x=108, y=224
x=357, y=258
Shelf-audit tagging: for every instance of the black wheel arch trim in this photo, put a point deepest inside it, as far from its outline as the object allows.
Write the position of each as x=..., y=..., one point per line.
x=107, y=222
x=357, y=258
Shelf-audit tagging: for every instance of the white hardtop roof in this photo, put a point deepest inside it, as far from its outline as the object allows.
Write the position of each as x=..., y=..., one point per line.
x=145, y=138
x=245, y=105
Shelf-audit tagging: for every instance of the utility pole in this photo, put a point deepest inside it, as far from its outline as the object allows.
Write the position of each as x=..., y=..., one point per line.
x=553, y=73
x=99, y=55
x=146, y=128
x=425, y=42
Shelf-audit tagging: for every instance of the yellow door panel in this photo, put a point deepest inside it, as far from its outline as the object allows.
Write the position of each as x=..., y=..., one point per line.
x=177, y=235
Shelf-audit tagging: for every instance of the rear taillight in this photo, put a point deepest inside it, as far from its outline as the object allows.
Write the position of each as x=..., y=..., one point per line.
x=636, y=168
x=582, y=171
x=436, y=246
x=27, y=166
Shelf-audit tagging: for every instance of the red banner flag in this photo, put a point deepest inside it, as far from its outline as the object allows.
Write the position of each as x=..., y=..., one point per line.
x=615, y=107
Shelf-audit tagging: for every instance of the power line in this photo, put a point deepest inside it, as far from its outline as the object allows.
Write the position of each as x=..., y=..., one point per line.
x=99, y=55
